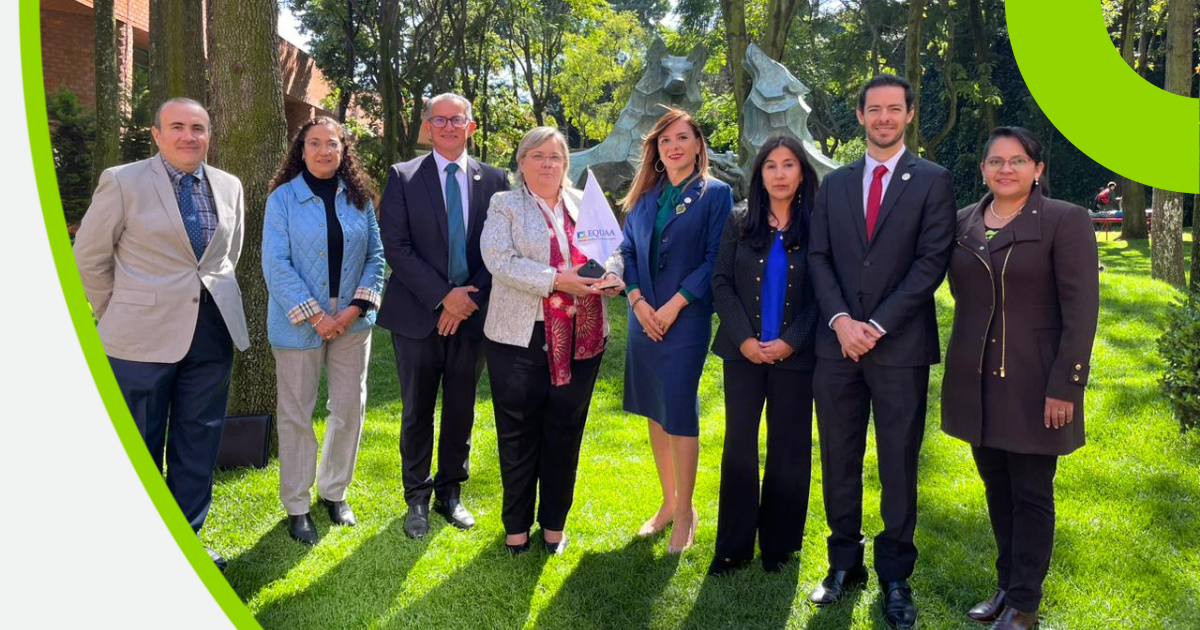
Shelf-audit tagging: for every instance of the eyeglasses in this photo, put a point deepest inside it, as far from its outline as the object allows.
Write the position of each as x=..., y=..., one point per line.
x=1018, y=162
x=317, y=145
x=541, y=158
x=459, y=122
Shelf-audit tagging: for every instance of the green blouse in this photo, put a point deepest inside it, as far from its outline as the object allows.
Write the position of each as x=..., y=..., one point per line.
x=668, y=200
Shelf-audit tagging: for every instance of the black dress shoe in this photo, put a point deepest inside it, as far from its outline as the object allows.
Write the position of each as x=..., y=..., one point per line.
x=556, y=548
x=989, y=609
x=416, y=524
x=519, y=548
x=454, y=513
x=899, y=610
x=217, y=559
x=340, y=513
x=1013, y=619
x=720, y=567
x=774, y=562
x=836, y=583
x=302, y=529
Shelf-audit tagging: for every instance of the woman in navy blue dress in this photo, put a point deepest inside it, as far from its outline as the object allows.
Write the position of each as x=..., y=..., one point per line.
x=672, y=233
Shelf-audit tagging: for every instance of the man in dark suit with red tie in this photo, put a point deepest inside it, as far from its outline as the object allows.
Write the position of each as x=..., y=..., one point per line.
x=430, y=218
x=880, y=243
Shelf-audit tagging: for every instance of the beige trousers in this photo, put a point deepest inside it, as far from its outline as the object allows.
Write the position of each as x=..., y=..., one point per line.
x=298, y=375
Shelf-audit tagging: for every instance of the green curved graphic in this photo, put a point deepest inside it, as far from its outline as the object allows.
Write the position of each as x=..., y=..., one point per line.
x=89, y=340
x=1097, y=101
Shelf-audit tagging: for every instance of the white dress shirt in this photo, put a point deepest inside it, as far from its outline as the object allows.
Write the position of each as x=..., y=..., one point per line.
x=462, y=183
x=869, y=174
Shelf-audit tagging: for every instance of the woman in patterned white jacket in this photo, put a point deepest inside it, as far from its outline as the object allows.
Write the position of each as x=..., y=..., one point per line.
x=547, y=329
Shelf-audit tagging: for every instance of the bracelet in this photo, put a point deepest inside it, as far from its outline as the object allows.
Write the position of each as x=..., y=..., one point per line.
x=641, y=298
x=319, y=320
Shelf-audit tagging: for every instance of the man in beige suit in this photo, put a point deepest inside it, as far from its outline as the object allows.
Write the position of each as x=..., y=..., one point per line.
x=156, y=252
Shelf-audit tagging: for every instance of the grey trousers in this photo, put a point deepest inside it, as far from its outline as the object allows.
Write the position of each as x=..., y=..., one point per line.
x=298, y=375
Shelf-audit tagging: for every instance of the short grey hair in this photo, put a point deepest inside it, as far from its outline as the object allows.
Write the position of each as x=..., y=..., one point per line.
x=447, y=96
x=535, y=138
x=179, y=100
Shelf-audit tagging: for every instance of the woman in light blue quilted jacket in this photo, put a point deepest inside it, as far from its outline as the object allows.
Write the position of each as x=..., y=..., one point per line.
x=323, y=263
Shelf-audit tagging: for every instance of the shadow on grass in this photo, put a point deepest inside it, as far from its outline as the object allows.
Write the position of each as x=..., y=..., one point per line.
x=270, y=559
x=355, y=592
x=754, y=599
x=494, y=590
x=612, y=589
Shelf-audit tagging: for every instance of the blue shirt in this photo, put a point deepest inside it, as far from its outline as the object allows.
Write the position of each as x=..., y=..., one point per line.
x=774, y=285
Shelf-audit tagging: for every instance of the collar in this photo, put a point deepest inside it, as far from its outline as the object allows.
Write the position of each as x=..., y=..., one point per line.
x=304, y=192
x=177, y=174
x=442, y=162
x=890, y=163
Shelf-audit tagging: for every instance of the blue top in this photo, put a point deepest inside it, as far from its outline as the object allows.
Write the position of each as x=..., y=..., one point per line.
x=296, y=262
x=774, y=285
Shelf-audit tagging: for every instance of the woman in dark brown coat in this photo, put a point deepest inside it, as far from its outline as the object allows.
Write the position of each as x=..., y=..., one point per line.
x=1024, y=277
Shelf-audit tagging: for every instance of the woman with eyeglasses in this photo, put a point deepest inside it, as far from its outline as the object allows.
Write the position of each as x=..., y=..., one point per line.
x=676, y=213
x=323, y=264
x=1024, y=277
x=547, y=328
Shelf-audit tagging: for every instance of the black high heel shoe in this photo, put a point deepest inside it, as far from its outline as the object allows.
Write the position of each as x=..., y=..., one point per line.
x=556, y=548
x=519, y=548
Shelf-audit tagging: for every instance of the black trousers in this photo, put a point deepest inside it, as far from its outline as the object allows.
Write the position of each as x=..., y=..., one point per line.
x=845, y=394
x=1020, y=498
x=778, y=518
x=179, y=408
x=539, y=428
x=452, y=364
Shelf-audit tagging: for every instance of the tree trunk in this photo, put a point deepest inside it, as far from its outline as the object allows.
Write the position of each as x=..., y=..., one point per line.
x=389, y=99
x=176, y=50
x=983, y=61
x=107, y=148
x=1166, y=246
x=1133, y=193
x=1194, y=276
x=912, y=70
x=250, y=138
x=780, y=15
x=734, y=12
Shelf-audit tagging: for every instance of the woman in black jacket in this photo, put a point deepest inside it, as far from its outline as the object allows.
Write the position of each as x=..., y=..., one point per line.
x=768, y=315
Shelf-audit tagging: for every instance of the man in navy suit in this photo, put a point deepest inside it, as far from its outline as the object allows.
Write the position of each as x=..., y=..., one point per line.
x=880, y=243
x=430, y=218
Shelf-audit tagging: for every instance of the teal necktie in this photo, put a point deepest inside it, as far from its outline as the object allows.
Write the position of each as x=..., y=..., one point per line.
x=457, y=238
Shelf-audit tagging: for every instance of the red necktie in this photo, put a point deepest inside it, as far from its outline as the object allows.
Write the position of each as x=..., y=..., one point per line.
x=874, y=197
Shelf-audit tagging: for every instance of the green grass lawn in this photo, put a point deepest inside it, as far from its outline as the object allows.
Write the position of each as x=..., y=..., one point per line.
x=1126, y=553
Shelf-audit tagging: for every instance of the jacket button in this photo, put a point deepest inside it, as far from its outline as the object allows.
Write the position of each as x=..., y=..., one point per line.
x=320, y=225
x=791, y=266
x=1078, y=366
x=760, y=261
x=758, y=279
x=1075, y=378
x=994, y=373
x=866, y=263
x=195, y=300
x=321, y=254
x=664, y=239
x=993, y=341
x=981, y=248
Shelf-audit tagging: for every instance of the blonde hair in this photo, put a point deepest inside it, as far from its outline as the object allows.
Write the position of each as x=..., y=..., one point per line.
x=535, y=138
x=648, y=175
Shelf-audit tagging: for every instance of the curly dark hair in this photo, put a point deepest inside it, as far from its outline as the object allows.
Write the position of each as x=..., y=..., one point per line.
x=359, y=190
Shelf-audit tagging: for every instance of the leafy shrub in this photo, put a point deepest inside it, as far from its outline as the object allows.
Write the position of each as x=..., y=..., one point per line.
x=1180, y=349
x=72, y=132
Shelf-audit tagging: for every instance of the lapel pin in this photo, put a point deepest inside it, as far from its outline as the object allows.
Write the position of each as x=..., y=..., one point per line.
x=477, y=177
x=904, y=177
x=680, y=209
